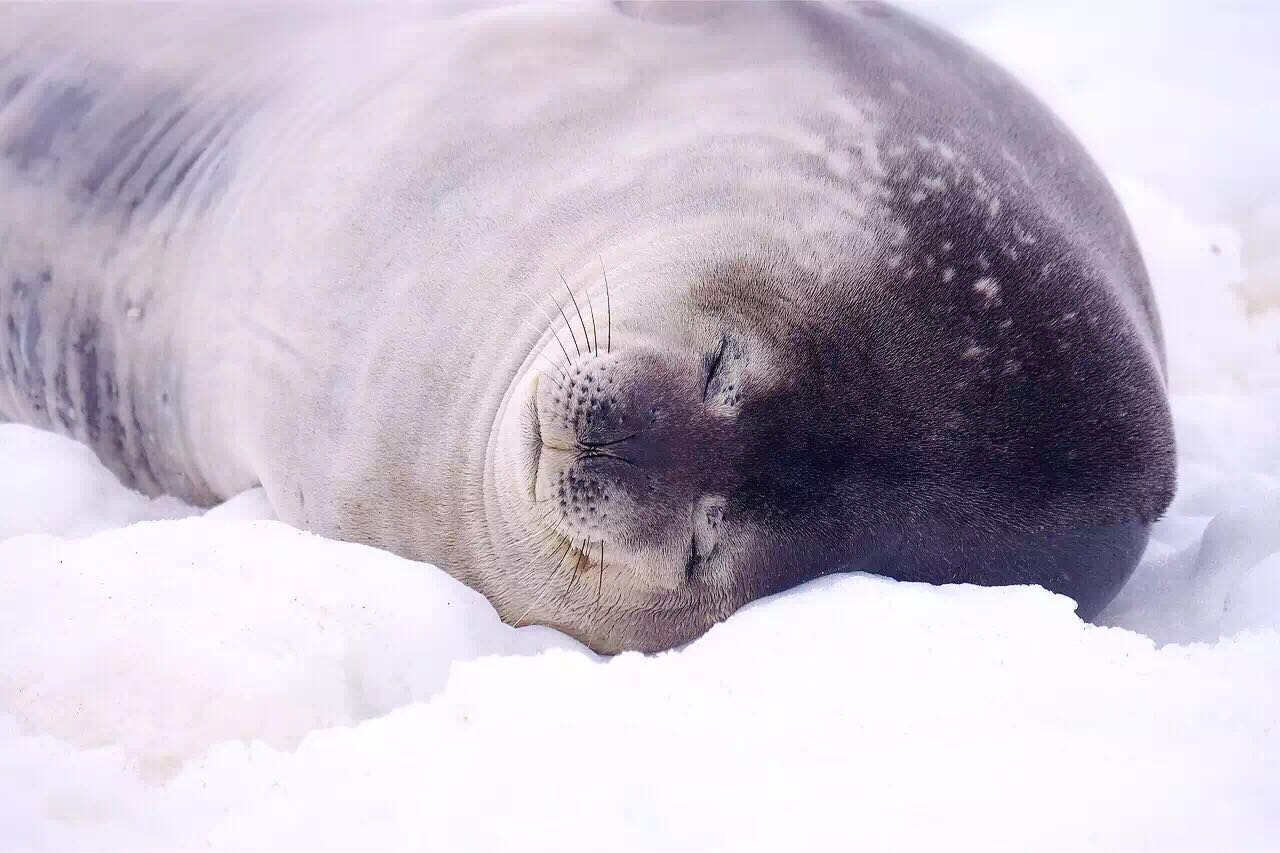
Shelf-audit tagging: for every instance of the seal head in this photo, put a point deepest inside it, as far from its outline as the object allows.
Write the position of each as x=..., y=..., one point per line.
x=776, y=424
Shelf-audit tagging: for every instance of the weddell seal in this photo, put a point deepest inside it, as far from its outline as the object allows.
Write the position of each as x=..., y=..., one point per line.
x=625, y=315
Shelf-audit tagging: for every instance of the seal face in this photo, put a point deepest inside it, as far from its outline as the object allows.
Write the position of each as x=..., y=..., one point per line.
x=624, y=317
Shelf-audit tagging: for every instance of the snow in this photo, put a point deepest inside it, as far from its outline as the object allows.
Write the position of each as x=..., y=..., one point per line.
x=54, y=485
x=172, y=679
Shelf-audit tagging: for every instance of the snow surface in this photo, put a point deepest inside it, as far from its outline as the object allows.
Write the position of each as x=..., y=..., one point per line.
x=171, y=679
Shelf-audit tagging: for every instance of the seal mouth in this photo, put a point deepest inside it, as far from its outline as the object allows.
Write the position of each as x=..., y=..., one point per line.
x=533, y=444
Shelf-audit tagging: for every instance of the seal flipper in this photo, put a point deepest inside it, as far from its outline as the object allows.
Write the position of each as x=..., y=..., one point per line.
x=1087, y=565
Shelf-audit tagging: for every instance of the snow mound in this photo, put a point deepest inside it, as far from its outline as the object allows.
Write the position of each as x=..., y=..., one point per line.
x=233, y=683
x=865, y=711
x=1211, y=340
x=166, y=638
x=52, y=484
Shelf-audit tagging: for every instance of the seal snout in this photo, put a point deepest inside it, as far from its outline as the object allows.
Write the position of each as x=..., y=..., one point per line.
x=628, y=453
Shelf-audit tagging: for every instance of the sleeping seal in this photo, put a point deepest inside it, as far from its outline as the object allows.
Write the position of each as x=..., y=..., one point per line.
x=625, y=315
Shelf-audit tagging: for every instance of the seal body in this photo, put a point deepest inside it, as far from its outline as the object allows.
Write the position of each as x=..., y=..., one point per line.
x=625, y=314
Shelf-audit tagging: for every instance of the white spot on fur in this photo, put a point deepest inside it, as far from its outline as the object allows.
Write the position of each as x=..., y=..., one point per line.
x=810, y=143
x=948, y=274
x=974, y=351
x=933, y=183
x=988, y=287
x=839, y=163
x=948, y=246
x=917, y=196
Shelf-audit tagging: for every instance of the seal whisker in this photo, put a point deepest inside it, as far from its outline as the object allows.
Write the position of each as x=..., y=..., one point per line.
x=577, y=567
x=608, y=308
x=600, y=580
x=570, y=325
x=595, y=333
x=609, y=610
x=554, y=332
x=617, y=456
x=541, y=354
x=567, y=545
x=585, y=339
x=559, y=384
x=574, y=571
x=543, y=588
x=603, y=444
x=548, y=532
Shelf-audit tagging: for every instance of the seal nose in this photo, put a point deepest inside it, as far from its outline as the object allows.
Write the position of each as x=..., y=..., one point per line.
x=641, y=403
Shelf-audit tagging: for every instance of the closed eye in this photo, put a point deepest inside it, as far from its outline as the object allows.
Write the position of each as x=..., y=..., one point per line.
x=708, y=515
x=691, y=564
x=714, y=367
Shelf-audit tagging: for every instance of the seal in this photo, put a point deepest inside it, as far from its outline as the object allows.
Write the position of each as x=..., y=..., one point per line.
x=625, y=315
